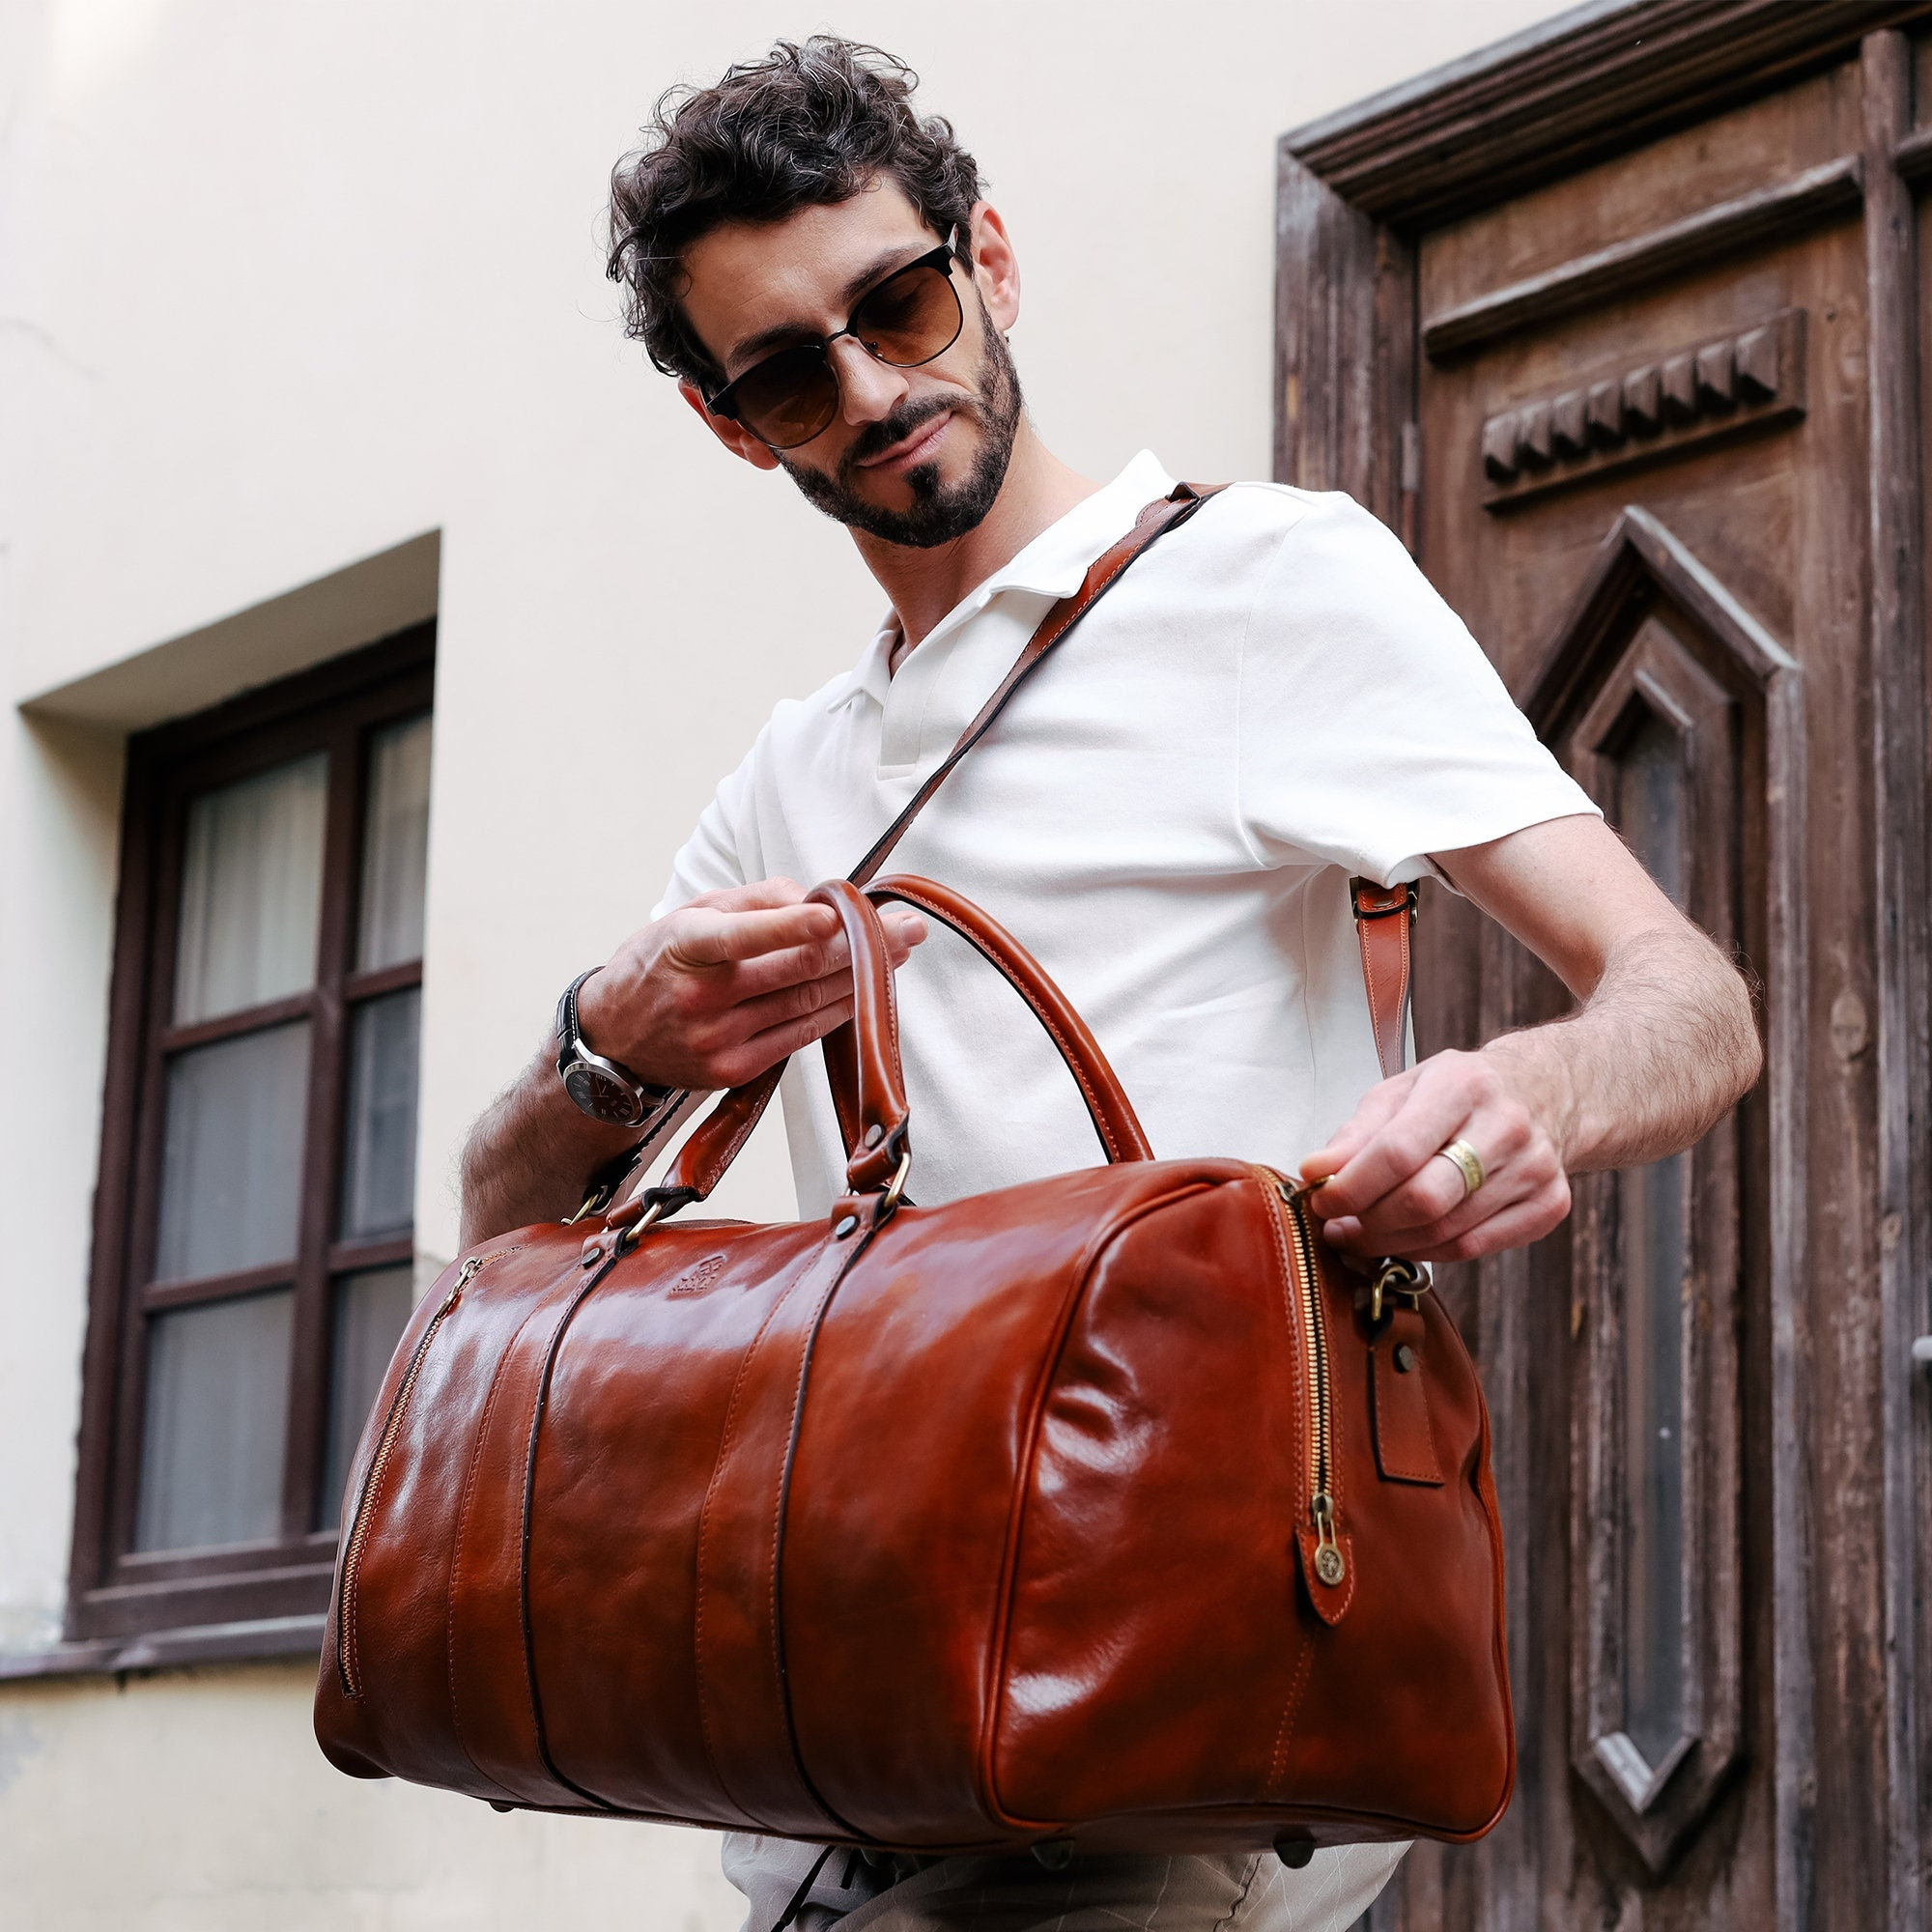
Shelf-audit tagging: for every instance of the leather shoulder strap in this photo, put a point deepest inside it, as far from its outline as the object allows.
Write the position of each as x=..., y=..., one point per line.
x=1164, y=514
x=1383, y=916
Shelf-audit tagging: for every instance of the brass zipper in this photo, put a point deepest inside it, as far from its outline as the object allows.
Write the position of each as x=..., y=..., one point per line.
x=1331, y=1565
x=359, y=1528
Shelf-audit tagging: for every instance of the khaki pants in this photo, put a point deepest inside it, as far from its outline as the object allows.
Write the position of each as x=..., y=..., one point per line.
x=1243, y=1892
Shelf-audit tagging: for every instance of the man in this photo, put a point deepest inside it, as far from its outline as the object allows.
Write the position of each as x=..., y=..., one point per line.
x=1270, y=701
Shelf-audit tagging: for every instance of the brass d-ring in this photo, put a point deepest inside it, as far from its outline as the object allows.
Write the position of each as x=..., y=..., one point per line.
x=899, y=1182
x=629, y=1237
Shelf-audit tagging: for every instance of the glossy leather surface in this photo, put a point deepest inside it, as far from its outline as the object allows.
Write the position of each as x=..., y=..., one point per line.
x=939, y=1528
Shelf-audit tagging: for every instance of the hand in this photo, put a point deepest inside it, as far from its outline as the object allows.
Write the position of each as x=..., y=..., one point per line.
x=1384, y=1192
x=711, y=995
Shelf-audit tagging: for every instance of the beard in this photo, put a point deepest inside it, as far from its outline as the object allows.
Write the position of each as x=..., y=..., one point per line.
x=938, y=515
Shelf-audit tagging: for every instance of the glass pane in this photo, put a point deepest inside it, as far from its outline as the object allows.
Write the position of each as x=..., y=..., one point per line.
x=251, y=890
x=371, y=1311
x=231, y=1158
x=379, y=1168
x=1651, y=785
x=216, y=1417
x=1655, y=1263
x=395, y=846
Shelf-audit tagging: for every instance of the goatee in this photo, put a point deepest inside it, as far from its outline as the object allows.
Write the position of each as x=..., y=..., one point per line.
x=938, y=515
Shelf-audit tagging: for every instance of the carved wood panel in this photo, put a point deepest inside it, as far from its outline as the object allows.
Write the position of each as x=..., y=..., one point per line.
x=1722, y=598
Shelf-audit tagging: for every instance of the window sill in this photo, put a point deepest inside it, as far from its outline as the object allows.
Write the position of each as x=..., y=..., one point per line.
x=264, y=1638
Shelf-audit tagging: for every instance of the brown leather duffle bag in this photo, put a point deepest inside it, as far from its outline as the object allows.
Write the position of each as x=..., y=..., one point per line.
x=1110, y=1511
x=1109, y=1508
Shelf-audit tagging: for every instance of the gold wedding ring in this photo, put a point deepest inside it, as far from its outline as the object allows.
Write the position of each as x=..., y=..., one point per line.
x=1468, y=1162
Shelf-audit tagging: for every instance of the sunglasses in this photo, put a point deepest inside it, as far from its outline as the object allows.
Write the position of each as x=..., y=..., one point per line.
x=910, y=318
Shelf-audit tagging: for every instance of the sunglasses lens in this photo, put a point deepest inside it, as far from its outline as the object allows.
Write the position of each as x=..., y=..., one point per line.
x=786, y=399
x=909, y=319
x=910, y=316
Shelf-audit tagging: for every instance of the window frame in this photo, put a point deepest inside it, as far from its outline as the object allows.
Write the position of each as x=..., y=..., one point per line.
x=277, y=1586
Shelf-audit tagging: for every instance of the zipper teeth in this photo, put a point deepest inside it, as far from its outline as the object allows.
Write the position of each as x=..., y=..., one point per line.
x=358, y=1530
x=1315, y=1333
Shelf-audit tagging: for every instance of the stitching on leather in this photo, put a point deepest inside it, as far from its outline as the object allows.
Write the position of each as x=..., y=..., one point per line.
x=1403, y=1473
x=704, y=1515
x=538, y=1404
x=1278, y=1761
x=456, y=1557
x=1302, y=1370
x=832, y=1278
x=1309, y=1539
x=835, y=1276
x=1001, y=1630
x=1375, y=1003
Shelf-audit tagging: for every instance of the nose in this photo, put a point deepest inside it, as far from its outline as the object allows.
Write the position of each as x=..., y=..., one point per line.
x=869, y=389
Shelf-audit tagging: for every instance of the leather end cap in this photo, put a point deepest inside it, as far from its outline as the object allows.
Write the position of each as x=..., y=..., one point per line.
x=1331, y=1601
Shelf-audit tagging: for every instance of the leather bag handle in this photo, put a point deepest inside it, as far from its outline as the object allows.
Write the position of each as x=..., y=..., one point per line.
x=1115, y=1121
x=873, y=1114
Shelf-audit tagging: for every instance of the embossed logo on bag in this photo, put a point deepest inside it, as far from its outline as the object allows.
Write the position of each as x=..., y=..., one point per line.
x=703, y=1276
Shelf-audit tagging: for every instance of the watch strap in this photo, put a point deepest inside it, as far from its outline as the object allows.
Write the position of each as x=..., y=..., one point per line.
x=572, y=1046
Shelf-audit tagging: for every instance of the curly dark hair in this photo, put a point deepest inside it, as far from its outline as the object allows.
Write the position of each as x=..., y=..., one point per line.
x=810, y=124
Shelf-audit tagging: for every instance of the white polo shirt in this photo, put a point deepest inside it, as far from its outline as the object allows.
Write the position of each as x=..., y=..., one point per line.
x=1167, y=815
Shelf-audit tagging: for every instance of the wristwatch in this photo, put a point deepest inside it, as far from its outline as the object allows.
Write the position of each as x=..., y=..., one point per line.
x=604, y=1089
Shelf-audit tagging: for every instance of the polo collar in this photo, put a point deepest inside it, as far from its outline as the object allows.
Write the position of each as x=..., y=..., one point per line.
x=1053, y=565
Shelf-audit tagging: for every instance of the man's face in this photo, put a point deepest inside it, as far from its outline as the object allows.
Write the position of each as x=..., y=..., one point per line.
x=914, y=456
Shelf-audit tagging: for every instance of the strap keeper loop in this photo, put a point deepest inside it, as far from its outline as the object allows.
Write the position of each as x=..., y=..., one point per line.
x=1369, y=900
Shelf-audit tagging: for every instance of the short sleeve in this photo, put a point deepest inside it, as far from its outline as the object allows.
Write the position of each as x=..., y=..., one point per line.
x=714, y=857
x=1372, y=729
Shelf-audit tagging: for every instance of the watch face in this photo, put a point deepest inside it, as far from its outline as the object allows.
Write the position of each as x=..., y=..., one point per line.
x=600, y=1095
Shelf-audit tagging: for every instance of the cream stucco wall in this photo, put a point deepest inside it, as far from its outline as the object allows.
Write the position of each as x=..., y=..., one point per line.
x=282, y=288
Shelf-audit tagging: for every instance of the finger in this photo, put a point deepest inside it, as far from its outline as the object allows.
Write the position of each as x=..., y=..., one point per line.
x=1373, y=1233
x=1380, y=1106
x=1438, y=1194
x=1513, y=1227
x=767, y=1048
x=903, y=932
x=707, y=936
x=829, y=952
x=1432, y=1114
x=1538, y=1176
x=749, y=1018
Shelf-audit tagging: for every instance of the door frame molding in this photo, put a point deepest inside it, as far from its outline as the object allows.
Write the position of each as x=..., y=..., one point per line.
x=1355, y=190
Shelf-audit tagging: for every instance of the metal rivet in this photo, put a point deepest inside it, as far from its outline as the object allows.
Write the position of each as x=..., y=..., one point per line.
x=847, y=1224
x=1405, y=1358
x=874, y=1134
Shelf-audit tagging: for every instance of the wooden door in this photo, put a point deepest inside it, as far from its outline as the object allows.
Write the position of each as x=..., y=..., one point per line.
x=1641, y=393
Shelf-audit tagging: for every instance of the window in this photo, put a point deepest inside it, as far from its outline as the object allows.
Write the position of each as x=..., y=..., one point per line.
x=254, y=1252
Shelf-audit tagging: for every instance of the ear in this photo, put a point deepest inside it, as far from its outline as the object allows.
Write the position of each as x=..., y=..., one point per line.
x=735, y=438
x=995, y=268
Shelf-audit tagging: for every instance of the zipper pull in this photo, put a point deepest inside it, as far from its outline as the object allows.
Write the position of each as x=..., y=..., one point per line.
x=463, y=1280
x=1331, y=1565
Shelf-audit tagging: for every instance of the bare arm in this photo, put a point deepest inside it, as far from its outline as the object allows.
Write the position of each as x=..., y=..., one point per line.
x=707, y=997
x=1663, y=1042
